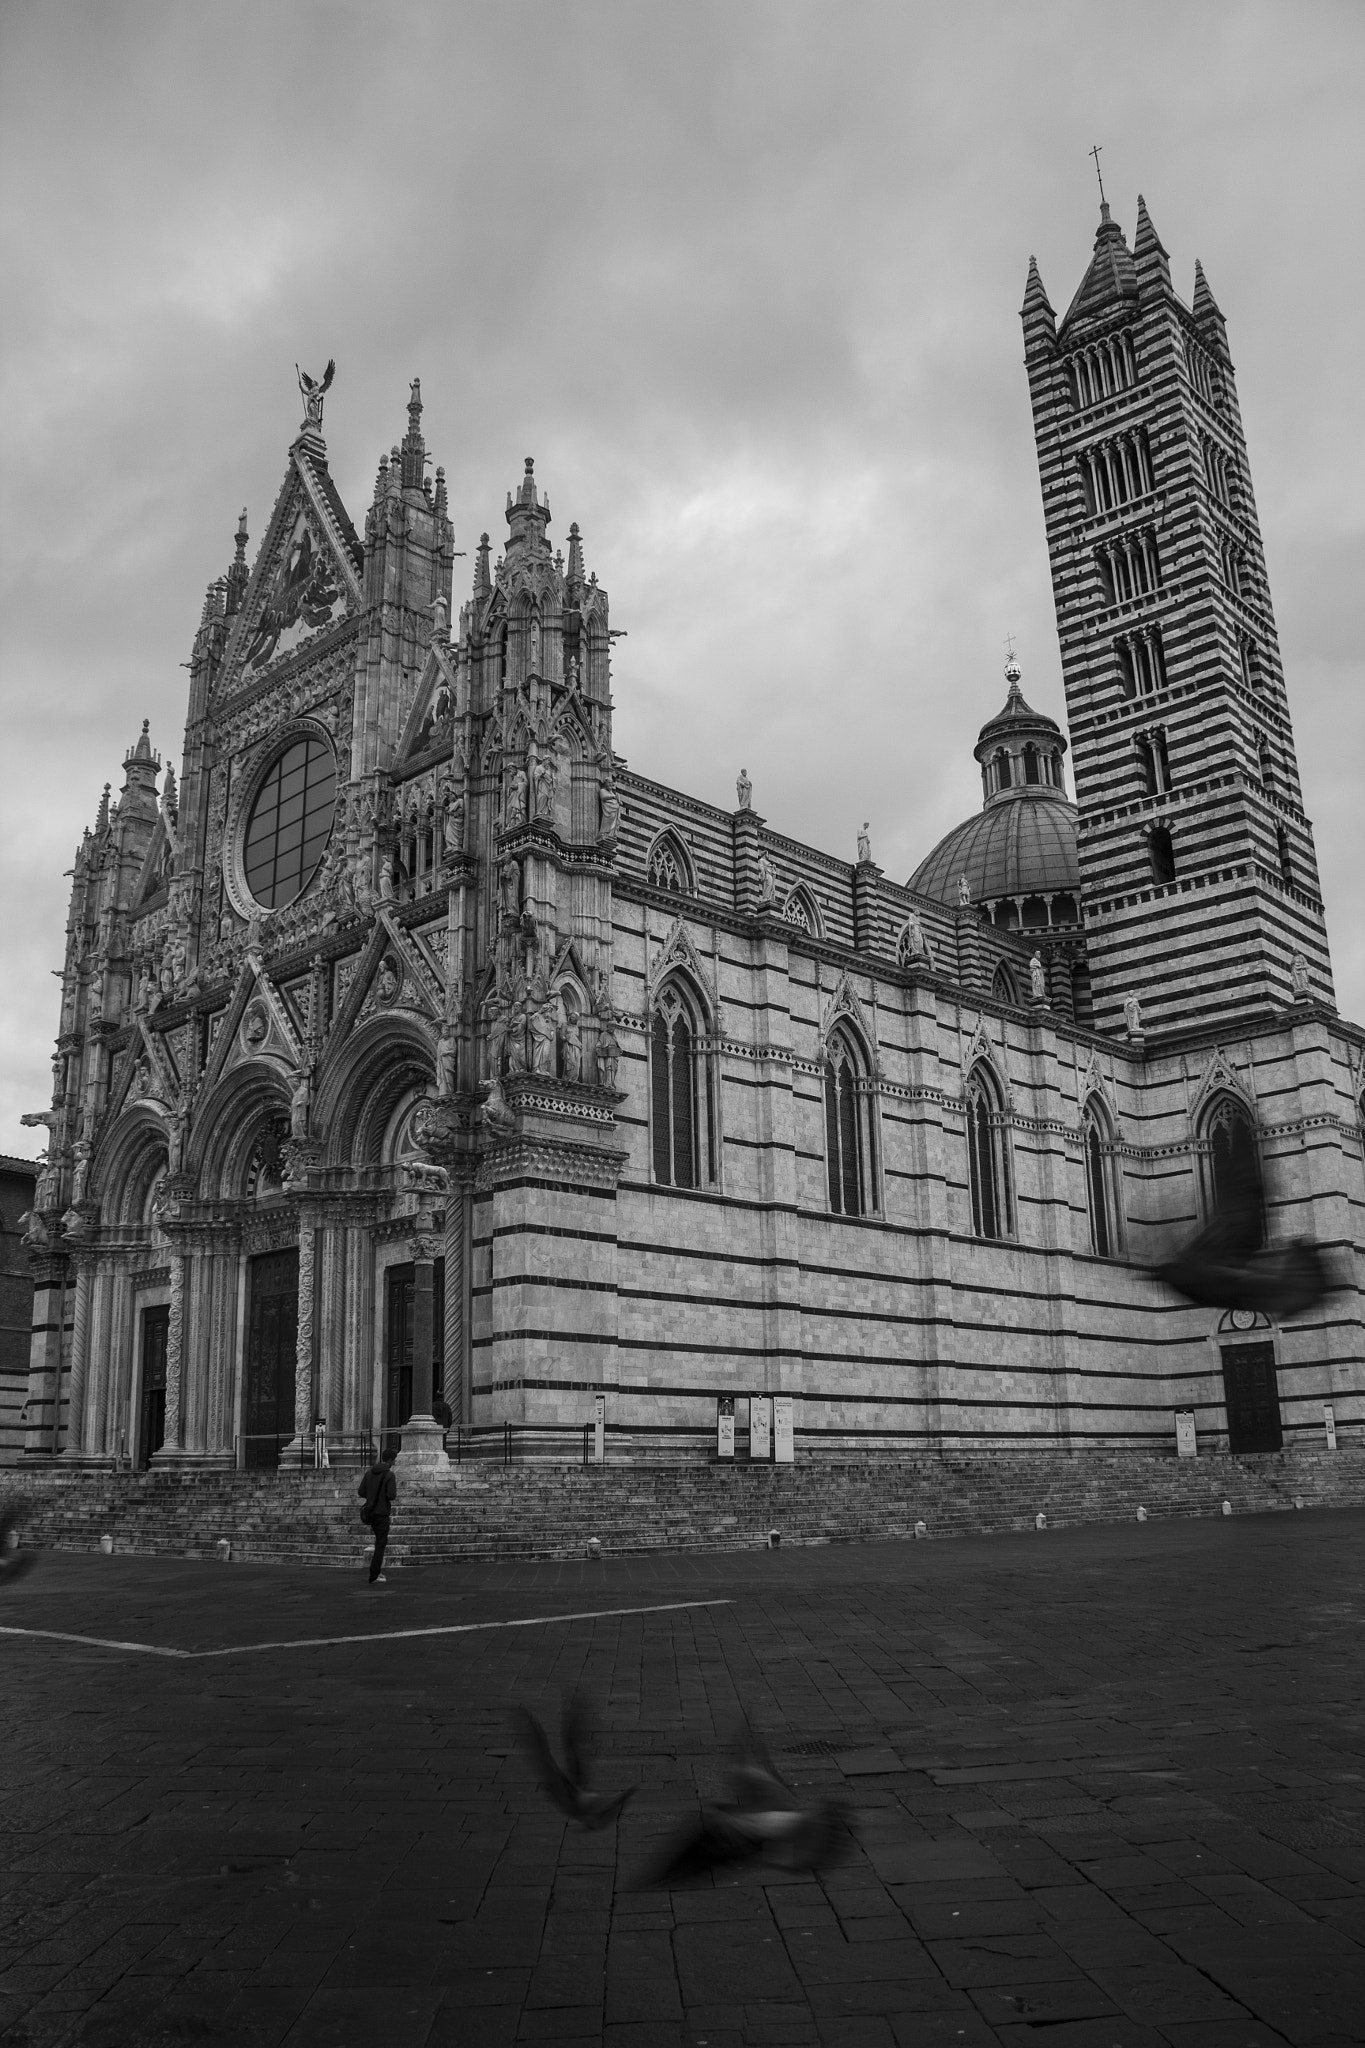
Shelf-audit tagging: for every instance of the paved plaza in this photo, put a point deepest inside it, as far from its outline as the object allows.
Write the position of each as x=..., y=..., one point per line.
x=1109, y=1788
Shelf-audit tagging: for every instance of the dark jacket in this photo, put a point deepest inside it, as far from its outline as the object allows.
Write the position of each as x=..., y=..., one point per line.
x=379, y=1489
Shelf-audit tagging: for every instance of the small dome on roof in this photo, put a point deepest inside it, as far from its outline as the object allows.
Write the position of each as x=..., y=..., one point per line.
x=1022, y=844
x=1024, y=848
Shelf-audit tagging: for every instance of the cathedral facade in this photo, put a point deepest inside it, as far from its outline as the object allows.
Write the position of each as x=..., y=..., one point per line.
x=416, y=1053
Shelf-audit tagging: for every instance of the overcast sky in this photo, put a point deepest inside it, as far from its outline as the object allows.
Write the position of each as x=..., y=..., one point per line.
x=743, y=278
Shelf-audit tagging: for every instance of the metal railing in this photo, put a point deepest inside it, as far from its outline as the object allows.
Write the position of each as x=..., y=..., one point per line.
x=318, y=1451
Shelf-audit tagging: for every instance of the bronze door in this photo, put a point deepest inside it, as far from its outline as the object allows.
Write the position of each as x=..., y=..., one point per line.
x=151, y=1431
x=1252, y=1393
x=402, y=1287
x=272, y=1338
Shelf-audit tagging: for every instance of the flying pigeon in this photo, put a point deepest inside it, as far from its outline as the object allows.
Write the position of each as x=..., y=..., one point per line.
x=13, y=1563
x=1223, y=1267
x=762, y=1819
x=568, y=1788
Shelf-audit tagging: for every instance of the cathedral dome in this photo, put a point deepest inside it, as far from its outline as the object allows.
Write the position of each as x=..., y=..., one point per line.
x=1018, y=855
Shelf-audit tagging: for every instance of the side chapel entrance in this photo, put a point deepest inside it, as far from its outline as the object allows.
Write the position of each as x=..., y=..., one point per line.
x=399, y=1329
x=1252, y=1393
x=272, y=1338
x=151, y=1421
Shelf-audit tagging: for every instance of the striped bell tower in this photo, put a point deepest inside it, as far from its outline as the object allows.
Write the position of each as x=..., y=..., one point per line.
x=1198, y=876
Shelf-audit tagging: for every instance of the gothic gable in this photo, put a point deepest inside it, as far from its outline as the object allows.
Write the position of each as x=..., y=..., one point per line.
x=305, y=578
x=845, y=1003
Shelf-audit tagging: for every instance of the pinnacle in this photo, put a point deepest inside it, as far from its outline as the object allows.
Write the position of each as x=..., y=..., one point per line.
x=1035, y=292
x=1204, y=305
x=1146, y=240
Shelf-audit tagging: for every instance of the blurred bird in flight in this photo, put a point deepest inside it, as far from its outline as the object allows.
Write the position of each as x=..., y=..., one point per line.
x=761, y=1819
x=568, y=1788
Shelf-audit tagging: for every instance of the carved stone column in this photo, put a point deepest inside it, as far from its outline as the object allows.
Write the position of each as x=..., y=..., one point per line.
x=303, y=1356
x=457, y=1215
x=80, y=1348
x=175, y=1353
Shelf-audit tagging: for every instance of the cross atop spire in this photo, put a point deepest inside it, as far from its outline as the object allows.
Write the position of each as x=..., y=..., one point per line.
x=1095, y=152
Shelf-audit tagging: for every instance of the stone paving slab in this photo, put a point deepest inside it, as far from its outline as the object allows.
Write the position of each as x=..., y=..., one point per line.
x=1109, y=1787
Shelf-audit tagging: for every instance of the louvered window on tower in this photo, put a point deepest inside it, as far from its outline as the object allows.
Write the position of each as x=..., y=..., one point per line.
x=1264, y=762
x=1246, y=648
x=987, y=1159
x=848, y=1131
x=680, y=1096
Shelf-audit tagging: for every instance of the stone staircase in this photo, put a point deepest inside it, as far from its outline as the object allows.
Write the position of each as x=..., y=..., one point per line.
x=543, y=1510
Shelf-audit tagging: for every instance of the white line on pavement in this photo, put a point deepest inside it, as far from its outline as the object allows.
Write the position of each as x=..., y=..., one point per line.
x=388, y=1635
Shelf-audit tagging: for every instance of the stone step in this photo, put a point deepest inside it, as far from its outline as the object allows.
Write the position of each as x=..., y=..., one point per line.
x=546, y=1511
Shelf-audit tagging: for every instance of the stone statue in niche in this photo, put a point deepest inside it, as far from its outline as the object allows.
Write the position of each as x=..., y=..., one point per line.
x=608, y=1050
x=145, y=998
x=547, y=779
x=445, y=1060
x=1037, y=979
x=744, y=790
x=499, y=1014
x=509, y=888
x=542, y=1016
x=452, y=823
x=95, y=1012
x=1298, y=977
x=81, y=1177
x=864, y=845
x=915, y=945
x=175, y=1142
x=1132, y=1016
x=571, y=1048
x=516, y=800
x=515, y=992
x=767, y=883
x=300, y=1103
x=610, y=806
x=386, y=982
x=964, y=891
x=45, y=1191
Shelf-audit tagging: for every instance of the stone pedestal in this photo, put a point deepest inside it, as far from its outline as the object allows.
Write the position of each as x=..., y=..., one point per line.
x=423, y=1445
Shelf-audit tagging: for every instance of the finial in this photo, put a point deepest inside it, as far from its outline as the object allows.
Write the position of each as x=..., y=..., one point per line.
x=242, y=535
x=1095, y=152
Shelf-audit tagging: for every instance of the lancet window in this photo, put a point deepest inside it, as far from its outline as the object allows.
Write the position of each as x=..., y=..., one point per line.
x=1102, y=1207
x=1233, y=567
x=1202, y=374
x=1218, y=471
x=1264, y=762
x=987, y=1157
x=1249, y=659
x=682, y=1096
x=1161, y=854
x=1003, y=985
x=799, y=909
x=1286, y=857
x=1232, y=1163
x=848, y=1128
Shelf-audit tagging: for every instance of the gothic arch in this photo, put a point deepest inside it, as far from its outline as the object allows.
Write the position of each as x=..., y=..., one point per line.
x=1004, y=987
x=229, y=1123
x=989, y=1175
x=1103, y=1185
x=128, y=1161
x=850, y=1106
x=801, y=909
x=1230, y=1153
x=668, y=864
x=359, y=1091
x=684, y=1135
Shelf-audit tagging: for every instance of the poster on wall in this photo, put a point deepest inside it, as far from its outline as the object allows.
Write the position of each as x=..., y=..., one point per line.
x=725, y=1426
x=784, y=1442
x=1185, y=1443
x=760, y=1428
x=1329, y=1423
x=599, y=1428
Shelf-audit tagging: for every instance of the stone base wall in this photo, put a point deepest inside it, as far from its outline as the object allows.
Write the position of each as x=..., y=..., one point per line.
x=553, y=1510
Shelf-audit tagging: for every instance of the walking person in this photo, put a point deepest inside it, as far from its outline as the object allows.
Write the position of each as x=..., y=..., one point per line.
x=379, y=1490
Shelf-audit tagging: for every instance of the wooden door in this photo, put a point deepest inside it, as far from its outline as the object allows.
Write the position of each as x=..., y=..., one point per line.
x=1252, y=1393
